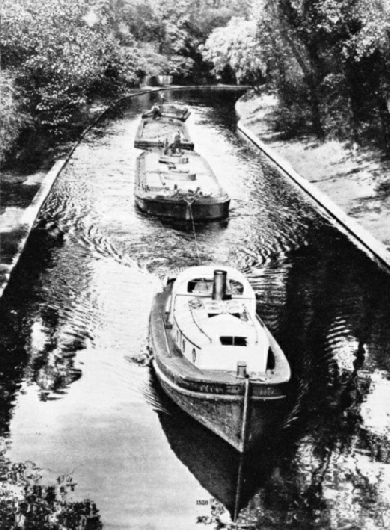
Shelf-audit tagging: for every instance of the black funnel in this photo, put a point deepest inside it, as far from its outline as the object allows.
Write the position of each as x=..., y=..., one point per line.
x=219, y=286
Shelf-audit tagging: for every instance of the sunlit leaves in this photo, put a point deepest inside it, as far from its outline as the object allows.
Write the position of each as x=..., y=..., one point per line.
x=59, y=49
x=327, y=40
x=236, y=46
x=12, y=118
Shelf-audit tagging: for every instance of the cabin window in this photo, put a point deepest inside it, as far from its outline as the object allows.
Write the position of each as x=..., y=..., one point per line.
x=236, y=288
x=200, y=286
x=233, y=341
x=184, y=346
x=270, y=360
x=205, y=286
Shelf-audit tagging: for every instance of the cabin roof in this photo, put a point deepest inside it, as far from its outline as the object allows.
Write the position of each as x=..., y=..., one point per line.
x=180, y=287
x=202, y=329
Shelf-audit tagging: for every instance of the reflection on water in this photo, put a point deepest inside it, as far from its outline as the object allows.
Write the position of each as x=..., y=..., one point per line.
x=228, y=476
x=27, y=501
x=77, y=309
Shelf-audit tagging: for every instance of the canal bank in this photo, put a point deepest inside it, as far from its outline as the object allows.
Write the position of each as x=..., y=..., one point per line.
x=351, y=186
x=16, y=222
x=23, y=194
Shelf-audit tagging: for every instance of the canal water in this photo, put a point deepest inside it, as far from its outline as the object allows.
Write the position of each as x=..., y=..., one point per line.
x=86, y=435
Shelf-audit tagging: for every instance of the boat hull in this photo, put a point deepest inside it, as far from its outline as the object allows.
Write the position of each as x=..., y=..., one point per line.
x=223, y=415
x=181, y=209
x=186, y=191
x=217, y=401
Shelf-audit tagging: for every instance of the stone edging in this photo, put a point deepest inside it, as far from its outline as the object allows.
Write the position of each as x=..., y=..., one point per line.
x=361, y=237
x=29, y=215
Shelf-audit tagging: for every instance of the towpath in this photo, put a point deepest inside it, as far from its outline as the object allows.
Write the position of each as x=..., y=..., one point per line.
x=356, y=179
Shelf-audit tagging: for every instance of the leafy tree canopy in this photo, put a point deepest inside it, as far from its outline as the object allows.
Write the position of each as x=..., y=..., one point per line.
x=59, y=49
x=235, y=46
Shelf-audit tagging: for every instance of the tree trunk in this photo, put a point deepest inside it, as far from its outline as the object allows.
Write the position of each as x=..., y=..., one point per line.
x=316, y=121
x=307, y=59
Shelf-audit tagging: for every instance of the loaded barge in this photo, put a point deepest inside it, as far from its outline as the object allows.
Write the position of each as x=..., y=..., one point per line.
x=157, y=127
x=180, y=186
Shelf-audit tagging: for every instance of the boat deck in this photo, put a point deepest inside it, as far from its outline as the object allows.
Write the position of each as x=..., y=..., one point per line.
x=156, y=132
x=170, y=110
x=188, y=172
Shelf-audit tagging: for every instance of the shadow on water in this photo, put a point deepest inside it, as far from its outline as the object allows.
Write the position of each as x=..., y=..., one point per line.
x=30, y=501
x=230, y=477
x=32, y=497
x=333, y=327
x=32, y=350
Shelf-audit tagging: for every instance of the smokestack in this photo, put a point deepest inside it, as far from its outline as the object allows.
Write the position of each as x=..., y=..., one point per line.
x=219, y=286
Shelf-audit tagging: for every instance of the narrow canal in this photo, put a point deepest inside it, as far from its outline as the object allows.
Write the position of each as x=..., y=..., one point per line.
x=81, y=420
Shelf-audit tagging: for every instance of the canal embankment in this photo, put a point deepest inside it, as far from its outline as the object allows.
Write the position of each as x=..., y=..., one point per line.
x=16, y=222
x=23, y=193
x=350, y=184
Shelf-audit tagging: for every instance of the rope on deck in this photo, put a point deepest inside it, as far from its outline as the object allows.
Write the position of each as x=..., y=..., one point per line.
x=189, y=201
x=245, y=415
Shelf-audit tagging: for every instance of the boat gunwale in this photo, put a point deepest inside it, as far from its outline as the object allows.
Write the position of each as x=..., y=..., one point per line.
x=220, y=200
x=235, y=397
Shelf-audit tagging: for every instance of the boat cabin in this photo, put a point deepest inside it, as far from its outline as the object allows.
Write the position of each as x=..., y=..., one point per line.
x=212, y=314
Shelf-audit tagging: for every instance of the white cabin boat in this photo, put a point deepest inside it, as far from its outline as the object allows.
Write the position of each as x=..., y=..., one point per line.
x=213, y=355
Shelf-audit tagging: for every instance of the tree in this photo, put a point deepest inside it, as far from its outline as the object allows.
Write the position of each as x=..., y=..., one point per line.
x=12, y=118
x=235, y=47
x=184, y=26
x=58, y=52
x=333, y=51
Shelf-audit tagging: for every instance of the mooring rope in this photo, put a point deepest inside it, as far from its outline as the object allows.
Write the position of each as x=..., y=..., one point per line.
x=189, y=202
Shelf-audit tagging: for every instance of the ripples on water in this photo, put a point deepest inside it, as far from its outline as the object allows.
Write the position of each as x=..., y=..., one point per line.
x=77, y=309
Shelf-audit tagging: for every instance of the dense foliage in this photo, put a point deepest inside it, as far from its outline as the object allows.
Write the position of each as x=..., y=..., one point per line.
x=328, y=60
x=54, y=56
x=234, y=50
x=58, y=54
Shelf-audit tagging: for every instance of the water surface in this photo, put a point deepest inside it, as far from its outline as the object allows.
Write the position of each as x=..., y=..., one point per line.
x=81, y=420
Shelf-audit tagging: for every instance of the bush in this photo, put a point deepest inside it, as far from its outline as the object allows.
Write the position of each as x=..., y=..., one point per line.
x=12, y=119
